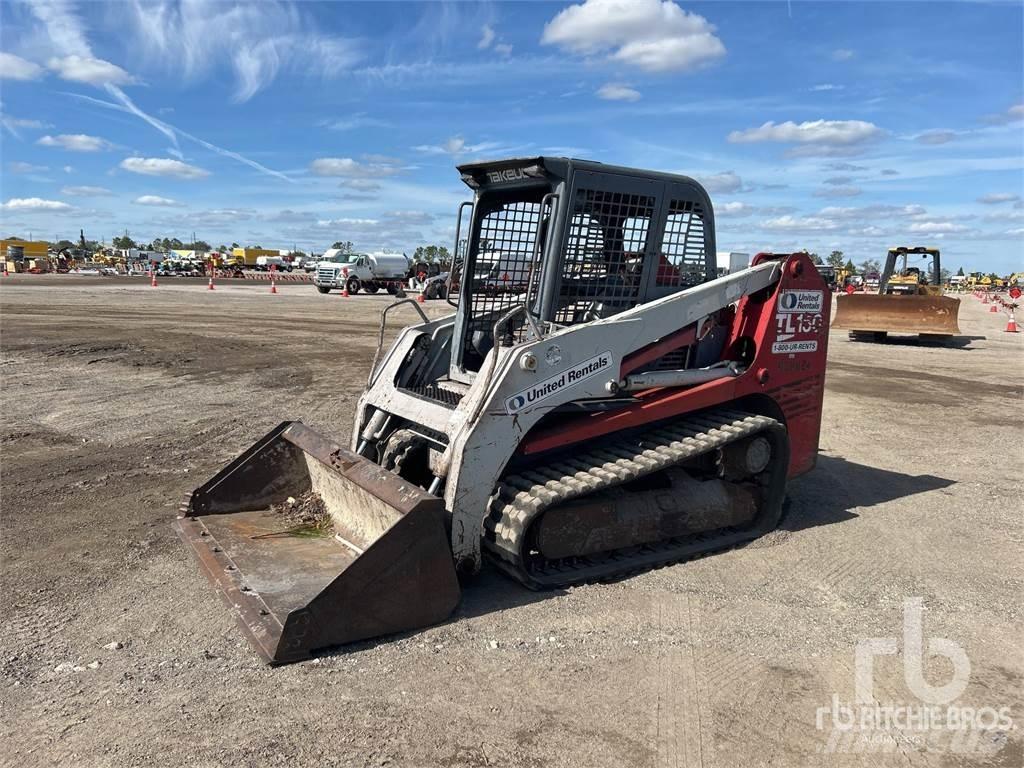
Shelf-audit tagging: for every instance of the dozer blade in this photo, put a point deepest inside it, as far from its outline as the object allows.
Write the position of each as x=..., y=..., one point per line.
x=381, y=564
x=928, y=315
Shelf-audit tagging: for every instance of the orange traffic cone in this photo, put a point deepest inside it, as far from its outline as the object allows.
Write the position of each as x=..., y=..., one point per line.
x=273, y=285
x=209, y=286
x=994, y=308
x=985, y=300
x=152, y=282
x=1011, y=324
x=420, y=299
x=6, y=273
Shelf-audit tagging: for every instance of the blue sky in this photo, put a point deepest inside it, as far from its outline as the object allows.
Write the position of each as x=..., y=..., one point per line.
x=818, y=125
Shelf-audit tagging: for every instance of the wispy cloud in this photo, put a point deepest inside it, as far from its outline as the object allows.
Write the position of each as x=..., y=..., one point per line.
x=86, y=191
x=258, y=41
x=935, y=137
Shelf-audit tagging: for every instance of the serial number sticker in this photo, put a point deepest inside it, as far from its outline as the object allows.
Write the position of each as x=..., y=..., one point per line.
x=550, y=386
x=788, y=347
x=801, y=301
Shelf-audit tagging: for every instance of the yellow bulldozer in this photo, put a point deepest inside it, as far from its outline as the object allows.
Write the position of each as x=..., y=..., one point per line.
x=909, y=300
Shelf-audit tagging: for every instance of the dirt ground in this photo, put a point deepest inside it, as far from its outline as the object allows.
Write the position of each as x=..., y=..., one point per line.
x=118, y=399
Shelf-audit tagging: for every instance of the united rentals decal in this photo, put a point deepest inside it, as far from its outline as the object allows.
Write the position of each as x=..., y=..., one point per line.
x=550, y=386
x=798, y=322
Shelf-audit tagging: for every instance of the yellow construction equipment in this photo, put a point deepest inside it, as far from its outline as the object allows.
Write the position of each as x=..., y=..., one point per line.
x=909, y=300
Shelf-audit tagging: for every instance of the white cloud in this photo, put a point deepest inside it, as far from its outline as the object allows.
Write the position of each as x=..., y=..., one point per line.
x=869, y=231
x=34, y=205
x=733, y=210
x=1012, y=115
x=354, y=121
x=934, y=227
x=76, y=142
x=457, y=145
x=721, y=183
x=1016, y=213
x=653, y=35
x=21, y=122
x=257, y=41
x=999, y=197
x=13, y=125
x=16, y=68
x=838, y=190
x=503, y=49
x=20, y=167
x=935, y=137
x=486, y=37
x=842, y=54
x=86, y=69
x=827, y=87
x=870, y=211
x=799, y=224
x=156, y=200
x=837, y=180
x=826, y=132
x=86, y=191
x=618, y=92
x=360, y=185
x=163, y=166
x=348, y=168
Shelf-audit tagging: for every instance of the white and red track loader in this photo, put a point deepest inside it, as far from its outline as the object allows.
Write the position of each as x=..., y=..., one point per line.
x=621, y=410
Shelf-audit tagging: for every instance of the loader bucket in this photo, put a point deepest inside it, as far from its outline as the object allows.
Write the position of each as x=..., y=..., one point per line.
x=380, y=564
x=926, y=315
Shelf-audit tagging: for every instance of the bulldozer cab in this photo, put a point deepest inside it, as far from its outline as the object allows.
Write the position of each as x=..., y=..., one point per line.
x=902, y=276
x=568, y=241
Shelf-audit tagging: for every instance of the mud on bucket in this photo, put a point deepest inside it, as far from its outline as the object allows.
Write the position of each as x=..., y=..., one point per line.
x=313, y=546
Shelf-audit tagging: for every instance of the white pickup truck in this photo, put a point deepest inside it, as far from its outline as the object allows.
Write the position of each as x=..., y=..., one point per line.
x=360, y=271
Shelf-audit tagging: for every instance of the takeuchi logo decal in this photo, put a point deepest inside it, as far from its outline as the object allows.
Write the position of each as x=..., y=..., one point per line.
x=506, y=175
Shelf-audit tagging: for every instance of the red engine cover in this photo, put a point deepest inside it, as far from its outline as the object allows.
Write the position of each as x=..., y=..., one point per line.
x=785, y=378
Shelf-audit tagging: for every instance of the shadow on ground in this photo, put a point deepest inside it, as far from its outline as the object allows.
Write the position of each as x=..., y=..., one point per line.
x=823, y=497
x=837, y=486
x=955, y=342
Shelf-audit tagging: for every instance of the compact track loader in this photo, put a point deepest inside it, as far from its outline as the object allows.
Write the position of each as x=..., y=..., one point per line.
x=909, y=301
x=609, y=409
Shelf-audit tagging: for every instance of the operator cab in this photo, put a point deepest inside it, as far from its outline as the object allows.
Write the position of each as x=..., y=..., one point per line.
x=568, y=241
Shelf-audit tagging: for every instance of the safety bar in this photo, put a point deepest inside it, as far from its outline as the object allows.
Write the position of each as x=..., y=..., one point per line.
x=455, y=252
x=383, y=325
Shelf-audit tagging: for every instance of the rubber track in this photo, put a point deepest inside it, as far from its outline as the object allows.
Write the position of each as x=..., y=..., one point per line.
x=520, y=498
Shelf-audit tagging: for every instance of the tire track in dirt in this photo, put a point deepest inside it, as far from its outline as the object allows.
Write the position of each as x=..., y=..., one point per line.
x=678, y=724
